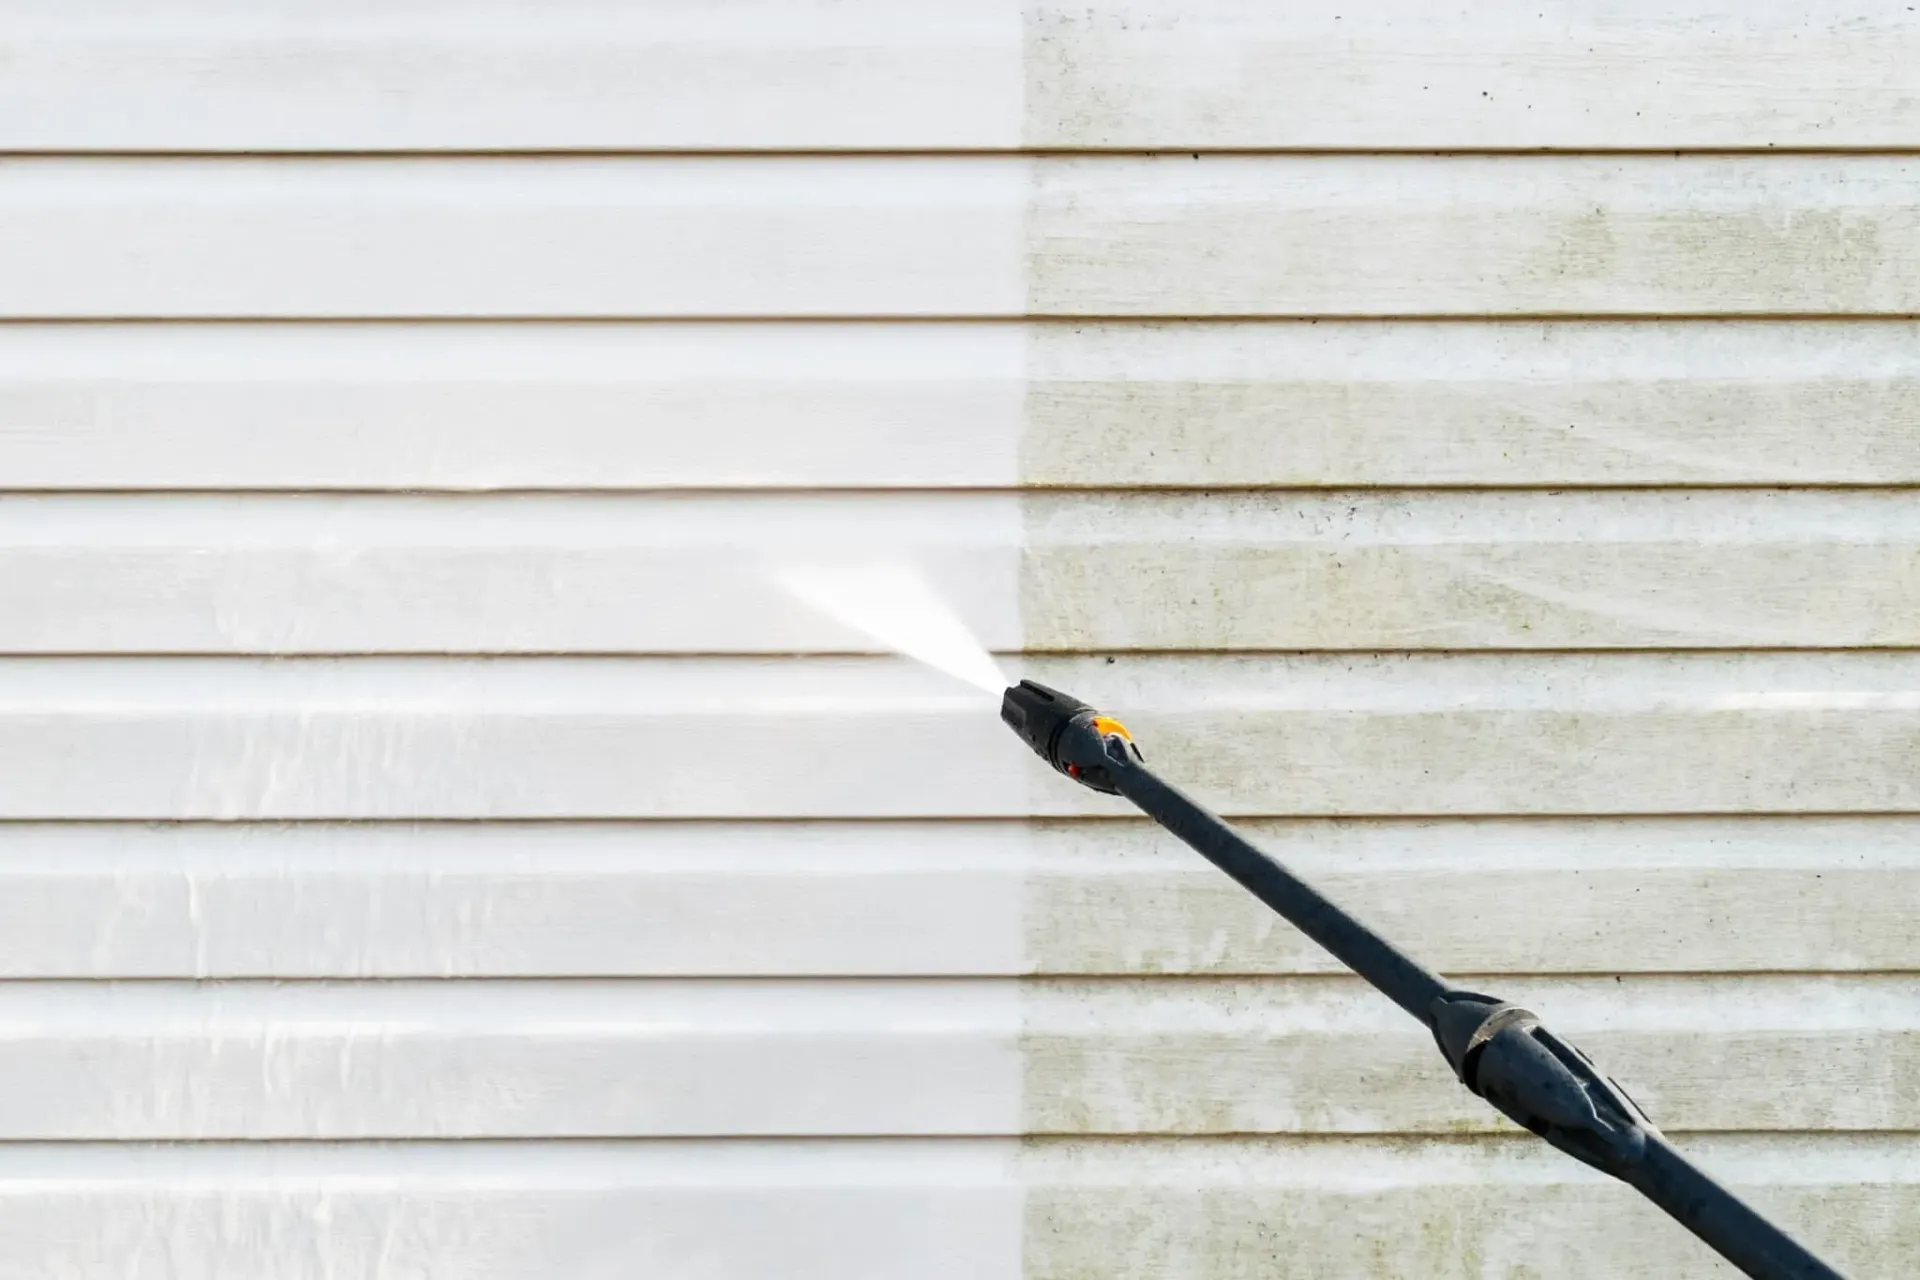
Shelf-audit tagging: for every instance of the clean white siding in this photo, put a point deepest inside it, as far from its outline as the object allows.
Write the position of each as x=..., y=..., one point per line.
x=431, y=844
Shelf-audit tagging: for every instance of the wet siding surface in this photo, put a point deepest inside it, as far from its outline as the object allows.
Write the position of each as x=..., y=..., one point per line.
x=432, y=843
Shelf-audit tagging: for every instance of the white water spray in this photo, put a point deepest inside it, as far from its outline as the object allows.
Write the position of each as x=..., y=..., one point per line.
x=893, y=603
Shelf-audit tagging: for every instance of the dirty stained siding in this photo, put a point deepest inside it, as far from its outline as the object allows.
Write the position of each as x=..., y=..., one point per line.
x=429, y=844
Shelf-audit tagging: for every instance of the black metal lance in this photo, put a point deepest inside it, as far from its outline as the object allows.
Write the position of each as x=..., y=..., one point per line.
x=1499, y=1051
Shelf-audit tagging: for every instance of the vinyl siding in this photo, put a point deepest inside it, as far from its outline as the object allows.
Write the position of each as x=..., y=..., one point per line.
x=744, y=405
x=750, y=75
x=959, y=236
x=430, y=843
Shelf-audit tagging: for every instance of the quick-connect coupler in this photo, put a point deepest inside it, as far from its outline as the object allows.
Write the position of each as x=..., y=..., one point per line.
x=1502, y=1053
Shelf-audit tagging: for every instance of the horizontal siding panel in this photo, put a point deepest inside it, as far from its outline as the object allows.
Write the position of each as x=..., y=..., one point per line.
x=685, y=236
x=458, y=1060
x=662, y=574
x=515, y=1211
x=1421, y=235
x=1332, y=1055
x=466, y=406
x=953, y=899
x=1251, y=404
x=716, y=737
x=950, y=1210
x=959, y=236
x=1448, y=1210
x=1715, y=569
x=1246, y=404
x=1734, y=569
x=162, y=1060
x=1492, y=896
x=1570, y=74
x=216, y=74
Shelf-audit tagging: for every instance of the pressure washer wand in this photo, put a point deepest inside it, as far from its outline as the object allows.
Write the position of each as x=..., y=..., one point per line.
x=1499, y=1051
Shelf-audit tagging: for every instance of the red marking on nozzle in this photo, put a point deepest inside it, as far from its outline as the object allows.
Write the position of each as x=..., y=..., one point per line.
x=1073, y=771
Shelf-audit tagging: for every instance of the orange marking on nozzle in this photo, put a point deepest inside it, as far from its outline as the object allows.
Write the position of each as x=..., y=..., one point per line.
x=1107, y=724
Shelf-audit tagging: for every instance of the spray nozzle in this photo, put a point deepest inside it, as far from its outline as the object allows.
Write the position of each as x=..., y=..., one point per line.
x=1069, y=735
